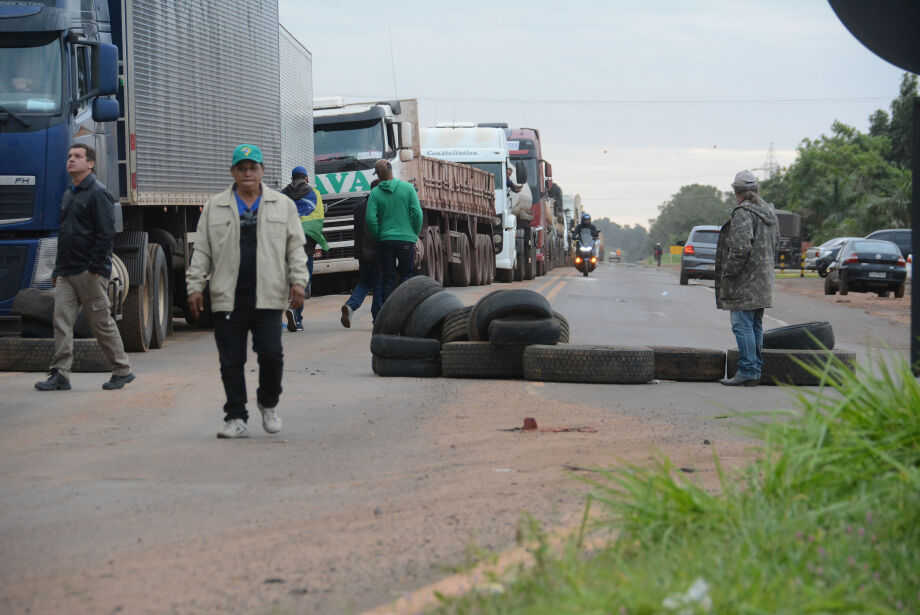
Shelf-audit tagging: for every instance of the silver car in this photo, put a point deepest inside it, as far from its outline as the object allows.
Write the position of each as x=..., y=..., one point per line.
x=698, y=259
x=813, y=253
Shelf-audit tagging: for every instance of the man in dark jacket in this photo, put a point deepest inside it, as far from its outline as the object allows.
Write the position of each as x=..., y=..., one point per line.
x=369, y=279
x=312, y=213
x=744, y=274
x=82, y=271
x=585, y=223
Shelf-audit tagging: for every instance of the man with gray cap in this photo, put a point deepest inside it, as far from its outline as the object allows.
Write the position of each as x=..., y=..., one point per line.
x=744, y=274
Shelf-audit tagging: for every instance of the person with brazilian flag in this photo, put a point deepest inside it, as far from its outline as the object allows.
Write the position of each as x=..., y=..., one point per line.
x=310, y=207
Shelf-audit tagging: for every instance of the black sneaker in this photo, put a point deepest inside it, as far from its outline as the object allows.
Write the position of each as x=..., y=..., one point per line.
x=291, y=320
x=55, y=382
x=117, y=382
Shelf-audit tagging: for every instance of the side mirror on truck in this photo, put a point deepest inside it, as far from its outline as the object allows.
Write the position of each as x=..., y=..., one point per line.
x=405, y=136
x=103, y=71
x=105, y=110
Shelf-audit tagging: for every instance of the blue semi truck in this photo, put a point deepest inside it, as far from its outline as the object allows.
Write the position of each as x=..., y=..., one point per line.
x=163, y=90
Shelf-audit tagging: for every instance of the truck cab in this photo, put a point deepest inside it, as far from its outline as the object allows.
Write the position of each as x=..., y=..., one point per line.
x=348, y=139
x=486, y=148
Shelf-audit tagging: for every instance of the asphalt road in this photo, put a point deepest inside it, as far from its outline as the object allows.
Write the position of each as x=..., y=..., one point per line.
x=126, y=502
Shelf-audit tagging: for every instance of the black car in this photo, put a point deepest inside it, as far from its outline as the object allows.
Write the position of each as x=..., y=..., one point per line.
x=899, y=236
x=867, y=265
x=829, y=255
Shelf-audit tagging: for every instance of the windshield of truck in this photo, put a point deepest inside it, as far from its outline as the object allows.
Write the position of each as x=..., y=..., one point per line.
x=495, y=168
x=30, y=74
x=348, y=141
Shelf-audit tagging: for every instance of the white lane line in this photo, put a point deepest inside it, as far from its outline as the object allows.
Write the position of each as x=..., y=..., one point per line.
x=777, y=320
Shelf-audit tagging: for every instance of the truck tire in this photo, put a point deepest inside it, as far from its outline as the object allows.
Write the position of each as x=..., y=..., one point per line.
x=530, y=265
x=136, y=324
x=519, y=264
x=406, y=368
x=688, y=364
x=402, y=347
x=597, y=364
x=34, y=355
x=563, y=327
x=482, y=360
x=504, y=276
x=807, y=336
x=524, y=331
x=38, y=305
x=399, y=305
x=456, y=325
x=161, y=306
x=476, y=262
x=425, y=320
x=460, y=273
x=518, y=302
x=783, y=367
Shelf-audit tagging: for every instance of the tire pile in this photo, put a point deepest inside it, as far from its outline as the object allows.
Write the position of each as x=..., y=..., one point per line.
x=424, y=331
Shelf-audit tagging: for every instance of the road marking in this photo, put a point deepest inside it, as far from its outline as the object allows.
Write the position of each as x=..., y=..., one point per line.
x=662, y=314
x=552, y=294
x=781, y=323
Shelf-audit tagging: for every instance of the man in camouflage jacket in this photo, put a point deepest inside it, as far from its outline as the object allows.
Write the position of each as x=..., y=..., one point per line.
x=744, y=274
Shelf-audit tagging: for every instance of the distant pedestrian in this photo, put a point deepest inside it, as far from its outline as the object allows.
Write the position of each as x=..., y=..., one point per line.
x=312, y=215
x=81, y=272
x=394, y=219
x=250, y=244
x=369, y=279
x=744, y=274
x=658, y=252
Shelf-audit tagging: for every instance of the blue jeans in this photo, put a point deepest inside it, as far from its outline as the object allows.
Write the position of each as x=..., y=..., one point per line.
x=298, y=313
x=395, y=257
x=747, y=325
x=369, y=280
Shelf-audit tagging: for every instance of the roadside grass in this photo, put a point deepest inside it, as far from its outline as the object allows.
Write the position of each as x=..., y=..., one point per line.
x=826, y=520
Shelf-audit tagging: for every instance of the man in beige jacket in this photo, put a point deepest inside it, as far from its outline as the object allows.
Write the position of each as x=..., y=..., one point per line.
x=249, y=245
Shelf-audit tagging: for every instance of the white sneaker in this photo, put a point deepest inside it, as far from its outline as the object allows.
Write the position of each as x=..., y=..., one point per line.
x=234, y=428
x=271, y=422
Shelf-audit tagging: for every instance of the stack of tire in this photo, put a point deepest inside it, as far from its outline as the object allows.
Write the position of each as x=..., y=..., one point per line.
x=407, y=331
x=32, y=352
x=790, y=354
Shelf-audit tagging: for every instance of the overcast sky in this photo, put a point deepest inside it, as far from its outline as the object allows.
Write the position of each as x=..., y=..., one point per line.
x=633, y=99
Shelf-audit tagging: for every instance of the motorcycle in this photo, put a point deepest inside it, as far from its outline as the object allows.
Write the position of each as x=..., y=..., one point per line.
x=585, y=252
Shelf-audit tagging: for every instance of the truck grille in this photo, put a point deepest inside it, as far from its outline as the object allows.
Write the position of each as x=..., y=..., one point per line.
x=12, y=265
x=16, y=202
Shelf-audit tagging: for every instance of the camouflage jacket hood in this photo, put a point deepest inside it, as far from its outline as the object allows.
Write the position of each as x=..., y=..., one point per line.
x=744, y=257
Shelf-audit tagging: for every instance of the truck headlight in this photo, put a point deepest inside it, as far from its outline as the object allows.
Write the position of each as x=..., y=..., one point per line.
x=44, y=263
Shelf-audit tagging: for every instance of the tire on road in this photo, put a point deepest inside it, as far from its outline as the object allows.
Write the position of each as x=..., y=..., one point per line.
x=523, y=331
x=520, y=302
x=806, y=336
x=563, y=327
x=455, y=327
x=482, y=360
x=425, y=320
x=35, y=329
x=402, y=347
x=34, y=355
x=399, y=305
x=406, y=368
x=688, y=364
x=39, y=305
x=597, y=364
x=782, y=367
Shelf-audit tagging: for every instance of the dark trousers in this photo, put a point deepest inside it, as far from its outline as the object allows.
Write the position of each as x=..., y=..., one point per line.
x=309, y=248
x=231, y=330
x=396, y=257
x=369, y=281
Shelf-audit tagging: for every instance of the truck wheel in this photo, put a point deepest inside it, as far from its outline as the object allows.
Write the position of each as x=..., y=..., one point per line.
x=524, y=331
x=136, y=324
x=806, y=336
x=481, y=360
x=504, y=276
x=530, y=266
x=476, y=262
x=456, y=325
x=403, y=347
x=516, y=302
x=598, y=364
x=161, y=307
x=688, y=364
x=399, y=305
x=460, y=273
x=791, y=366
x=406, y=368
x=425, y=320
x=34, y=355
x=520, y=261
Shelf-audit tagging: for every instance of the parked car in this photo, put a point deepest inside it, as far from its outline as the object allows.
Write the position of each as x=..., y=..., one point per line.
x=900, y=236
x=867, y=265
x=815, y=252
x=698, y=259
x=829, y=254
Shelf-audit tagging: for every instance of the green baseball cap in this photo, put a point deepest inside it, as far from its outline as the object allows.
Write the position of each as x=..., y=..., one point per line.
x=247, y=152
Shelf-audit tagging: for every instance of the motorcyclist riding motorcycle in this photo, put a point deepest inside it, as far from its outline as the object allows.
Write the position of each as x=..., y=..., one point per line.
x=585, y=224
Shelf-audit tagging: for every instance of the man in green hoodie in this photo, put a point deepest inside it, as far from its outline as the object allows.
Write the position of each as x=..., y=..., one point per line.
x=394, y=218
